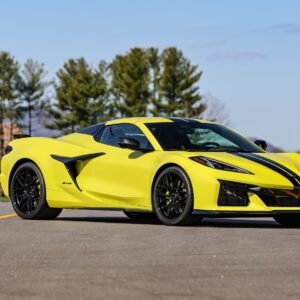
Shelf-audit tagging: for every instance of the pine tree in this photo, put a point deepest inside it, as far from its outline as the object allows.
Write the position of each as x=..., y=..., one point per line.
x=155, y=74
x=179, y=92
x=130, y=83
x=98, y=103
x=81, y=95
x=192, y=100
x=31, y=89
x=9, y=78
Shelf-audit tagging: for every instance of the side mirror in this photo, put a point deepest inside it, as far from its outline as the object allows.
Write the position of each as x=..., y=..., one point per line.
x=129, y=143
x=262, y=144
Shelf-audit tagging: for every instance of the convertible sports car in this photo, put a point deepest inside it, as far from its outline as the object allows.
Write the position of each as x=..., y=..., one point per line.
x=174, y=169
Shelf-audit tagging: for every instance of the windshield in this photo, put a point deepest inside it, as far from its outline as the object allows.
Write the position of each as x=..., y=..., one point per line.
x=196, y=136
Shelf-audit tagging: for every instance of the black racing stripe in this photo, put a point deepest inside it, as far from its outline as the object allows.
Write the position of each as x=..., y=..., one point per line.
x=176, y=120
x=275, y=166
x=192, y=121
x=183, y=120
x=292, y=173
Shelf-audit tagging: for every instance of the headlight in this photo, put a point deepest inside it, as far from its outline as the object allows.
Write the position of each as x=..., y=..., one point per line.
x=218, y=165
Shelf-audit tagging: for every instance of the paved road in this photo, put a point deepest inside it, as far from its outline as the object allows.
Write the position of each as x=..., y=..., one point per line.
x=104, y=255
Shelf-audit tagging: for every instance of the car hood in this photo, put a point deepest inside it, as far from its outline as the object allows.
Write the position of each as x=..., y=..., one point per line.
x=284, y=168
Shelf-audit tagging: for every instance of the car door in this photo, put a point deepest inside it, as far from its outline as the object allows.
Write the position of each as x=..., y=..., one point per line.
x=121, y=177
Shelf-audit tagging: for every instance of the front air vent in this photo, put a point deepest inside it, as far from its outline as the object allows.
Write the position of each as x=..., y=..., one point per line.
x=233, y=194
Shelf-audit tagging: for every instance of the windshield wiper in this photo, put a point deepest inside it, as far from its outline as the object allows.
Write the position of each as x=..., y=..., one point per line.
x=238, y=150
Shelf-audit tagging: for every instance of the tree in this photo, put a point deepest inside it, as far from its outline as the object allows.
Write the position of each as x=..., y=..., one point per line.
x=31, y=89
x=178, y=89
x=99, y=102
x=154, y=58
x=81, y=95
x=215, y=110
x=130, y=83
x=9, y=78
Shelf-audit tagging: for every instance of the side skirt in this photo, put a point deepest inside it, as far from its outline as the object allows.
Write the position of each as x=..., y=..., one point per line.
x=238, y=214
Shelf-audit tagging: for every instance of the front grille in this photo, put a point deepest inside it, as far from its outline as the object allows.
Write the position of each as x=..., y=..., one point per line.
x=281, y=198
x=233, y=194
x=237, y=194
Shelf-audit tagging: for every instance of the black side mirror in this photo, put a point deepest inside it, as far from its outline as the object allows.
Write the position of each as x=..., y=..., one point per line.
x=129, y=143
x=262, y=144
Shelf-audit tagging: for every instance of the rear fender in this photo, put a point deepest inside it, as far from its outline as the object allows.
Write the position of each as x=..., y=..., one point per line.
x=39, y=151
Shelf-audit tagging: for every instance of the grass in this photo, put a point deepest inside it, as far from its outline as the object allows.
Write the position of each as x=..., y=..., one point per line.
x=3, y=199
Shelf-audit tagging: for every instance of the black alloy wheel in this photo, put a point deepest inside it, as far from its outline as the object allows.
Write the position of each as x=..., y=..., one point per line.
x=28, y=193
x=173, y=197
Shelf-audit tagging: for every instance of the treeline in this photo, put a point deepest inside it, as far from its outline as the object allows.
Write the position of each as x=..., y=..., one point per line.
x=139, y=83
x=21, y=90
x=142, y=82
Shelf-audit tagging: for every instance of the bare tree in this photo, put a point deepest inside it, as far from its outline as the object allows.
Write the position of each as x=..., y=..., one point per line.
x=215, y=110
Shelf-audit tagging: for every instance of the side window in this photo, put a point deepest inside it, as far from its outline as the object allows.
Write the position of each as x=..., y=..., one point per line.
x=92, y=130
x=112, y=135
x=99, y=134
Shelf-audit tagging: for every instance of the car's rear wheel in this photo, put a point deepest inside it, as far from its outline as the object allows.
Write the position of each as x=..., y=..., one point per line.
x=172, y=197
x=140, y=216
x=28, y=194
x=288, y=219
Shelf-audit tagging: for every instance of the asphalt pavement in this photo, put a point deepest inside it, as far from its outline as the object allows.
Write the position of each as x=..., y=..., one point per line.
x=105, y=255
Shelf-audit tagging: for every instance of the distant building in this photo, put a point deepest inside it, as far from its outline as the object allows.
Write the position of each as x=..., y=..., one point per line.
x=9, y=130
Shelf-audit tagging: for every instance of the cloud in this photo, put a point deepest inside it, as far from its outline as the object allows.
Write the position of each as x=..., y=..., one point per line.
x=288, y=27
x=237, y=56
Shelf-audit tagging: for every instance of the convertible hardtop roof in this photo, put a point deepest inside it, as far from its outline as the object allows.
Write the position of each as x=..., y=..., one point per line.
x=92, y=130
x=149, y=120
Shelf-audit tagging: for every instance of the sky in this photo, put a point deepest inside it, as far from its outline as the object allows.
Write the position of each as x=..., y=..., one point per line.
x=249, y=51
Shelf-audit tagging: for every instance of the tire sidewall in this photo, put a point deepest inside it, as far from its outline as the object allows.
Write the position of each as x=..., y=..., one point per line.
x=184, y=217
x=41, y=203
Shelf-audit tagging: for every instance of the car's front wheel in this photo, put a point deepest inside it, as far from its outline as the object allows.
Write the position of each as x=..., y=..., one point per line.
x=28, y=194
x=172, y=197
x=288, y=219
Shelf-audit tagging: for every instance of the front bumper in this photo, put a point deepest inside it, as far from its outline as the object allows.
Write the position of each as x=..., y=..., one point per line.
x=245, y=197
x=238, y=194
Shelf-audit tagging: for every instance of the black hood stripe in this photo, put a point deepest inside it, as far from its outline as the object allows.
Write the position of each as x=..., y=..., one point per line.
x=273, y=165
x=183, y=120
x=287, y=170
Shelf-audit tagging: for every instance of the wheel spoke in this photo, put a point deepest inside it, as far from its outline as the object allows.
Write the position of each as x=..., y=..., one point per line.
x=172, y=195
x=171, y=213
x=26, y=190
x=23, y=203
x=20, y=180
x=164, y=206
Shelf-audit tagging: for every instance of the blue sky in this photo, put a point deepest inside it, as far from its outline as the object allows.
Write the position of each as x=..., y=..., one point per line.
x=249, y=51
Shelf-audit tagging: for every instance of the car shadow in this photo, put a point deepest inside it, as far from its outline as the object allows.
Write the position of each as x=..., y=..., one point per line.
x=206, y=222
x=124, y=220
x=239, y=223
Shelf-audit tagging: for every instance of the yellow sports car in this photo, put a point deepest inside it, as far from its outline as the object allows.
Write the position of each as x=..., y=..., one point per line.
x=174, y=169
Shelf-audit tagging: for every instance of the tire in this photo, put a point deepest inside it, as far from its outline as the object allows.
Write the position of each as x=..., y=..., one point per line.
x=140, y=216
x=172, y=197
x=288, y=219
x=28, y=194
